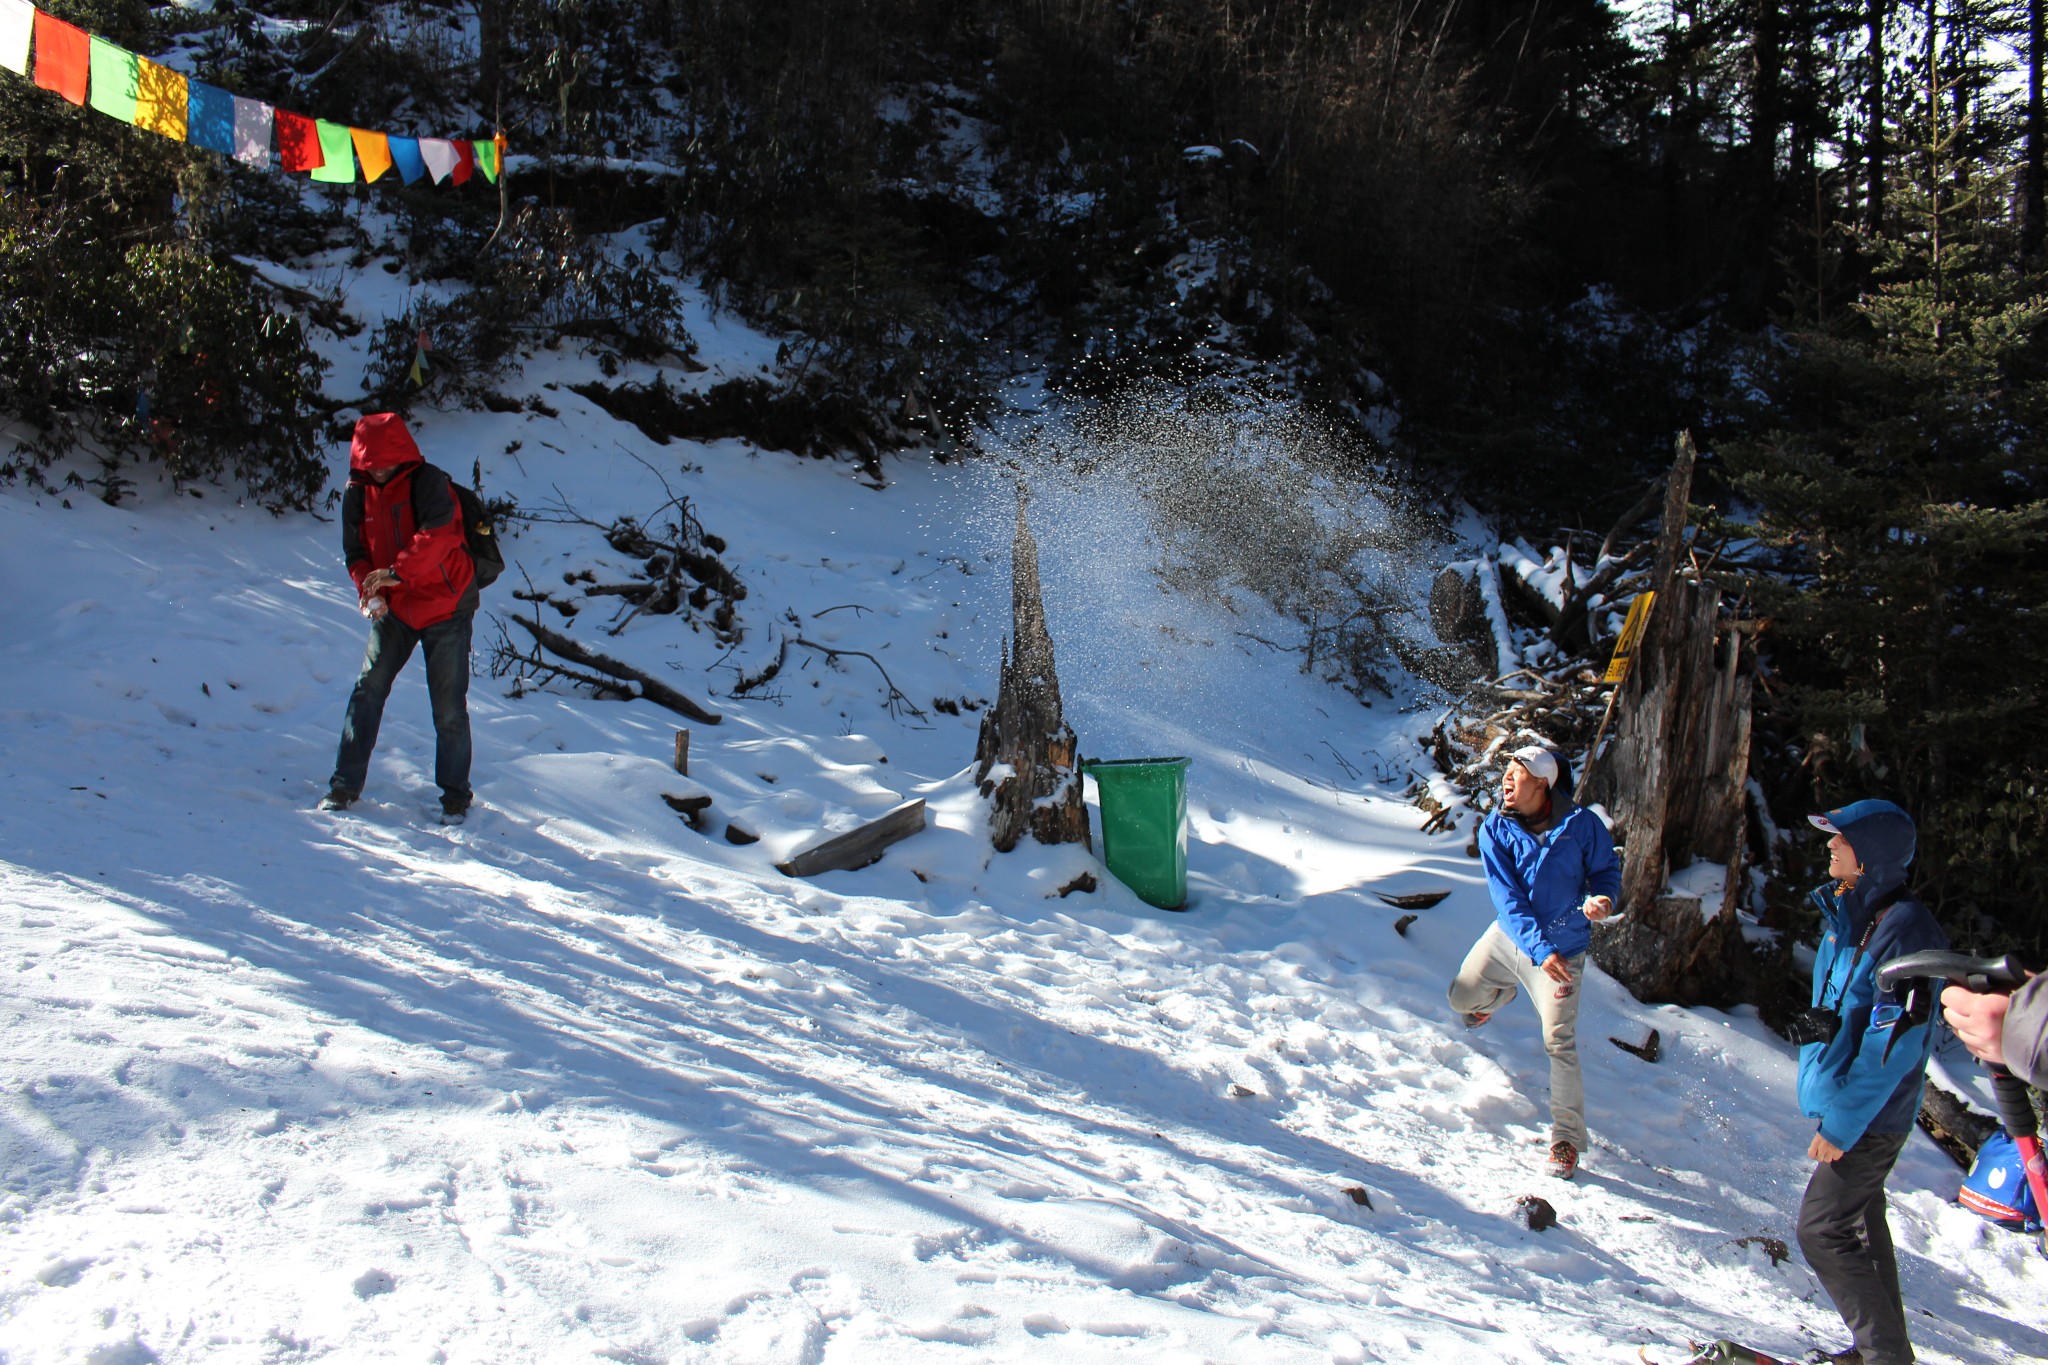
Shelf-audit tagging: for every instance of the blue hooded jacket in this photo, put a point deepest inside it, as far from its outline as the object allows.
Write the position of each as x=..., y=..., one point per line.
x=1539, y=881
x=1845, y=1083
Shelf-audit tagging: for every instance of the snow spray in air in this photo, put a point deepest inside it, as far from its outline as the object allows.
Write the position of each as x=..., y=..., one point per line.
x=1192, y=538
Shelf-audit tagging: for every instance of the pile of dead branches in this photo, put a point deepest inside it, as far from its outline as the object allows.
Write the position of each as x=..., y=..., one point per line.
x=677, y=570
x=1470, y=741
x=1535, y=631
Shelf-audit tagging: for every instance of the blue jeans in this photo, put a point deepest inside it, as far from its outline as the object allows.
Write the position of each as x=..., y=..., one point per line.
x=391, y=644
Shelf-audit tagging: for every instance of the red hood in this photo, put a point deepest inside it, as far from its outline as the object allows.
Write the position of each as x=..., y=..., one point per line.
x=381, y=442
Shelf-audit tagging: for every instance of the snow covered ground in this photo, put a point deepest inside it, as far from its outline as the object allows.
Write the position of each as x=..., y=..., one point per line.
x=575, y=1082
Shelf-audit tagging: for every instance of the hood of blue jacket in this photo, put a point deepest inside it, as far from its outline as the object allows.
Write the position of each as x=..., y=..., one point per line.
x=1884, y=839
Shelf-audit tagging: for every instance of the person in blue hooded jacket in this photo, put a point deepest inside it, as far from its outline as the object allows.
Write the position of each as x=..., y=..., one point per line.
x=1552, y=873
x=1862, y=1073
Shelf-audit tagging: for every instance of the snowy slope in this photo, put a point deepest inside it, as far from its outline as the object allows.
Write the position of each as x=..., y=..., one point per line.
x=575, y=1082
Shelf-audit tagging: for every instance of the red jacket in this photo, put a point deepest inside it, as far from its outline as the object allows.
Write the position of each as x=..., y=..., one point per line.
x=410, y=524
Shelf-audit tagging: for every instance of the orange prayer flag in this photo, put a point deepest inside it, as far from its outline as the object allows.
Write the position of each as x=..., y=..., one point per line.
x=373, y=150
x=161, y=101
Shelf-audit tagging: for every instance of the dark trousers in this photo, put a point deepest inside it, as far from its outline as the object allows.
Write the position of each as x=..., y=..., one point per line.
x=391, y=644
x=1845, y=1238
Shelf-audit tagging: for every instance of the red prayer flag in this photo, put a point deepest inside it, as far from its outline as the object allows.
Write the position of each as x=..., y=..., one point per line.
x=63, y=57
x=465, y=161
x=298, y=142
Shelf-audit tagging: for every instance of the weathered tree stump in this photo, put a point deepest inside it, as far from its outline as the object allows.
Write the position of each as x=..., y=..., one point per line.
x=1674, y=779
x=1025, y=755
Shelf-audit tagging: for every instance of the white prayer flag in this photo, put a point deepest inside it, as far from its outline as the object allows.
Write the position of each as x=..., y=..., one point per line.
x=252, y=131
x=17, y=21
x=440, y=155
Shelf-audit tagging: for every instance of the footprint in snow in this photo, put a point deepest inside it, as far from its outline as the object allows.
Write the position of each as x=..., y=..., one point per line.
x=371, y=1283
x=64, y=1271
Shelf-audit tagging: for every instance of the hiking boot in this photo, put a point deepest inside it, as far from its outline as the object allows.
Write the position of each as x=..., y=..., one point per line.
x=1475, y=1018
x=1564, y=1161
x=454, y=809
x=338, y=798
x=1852, y=1356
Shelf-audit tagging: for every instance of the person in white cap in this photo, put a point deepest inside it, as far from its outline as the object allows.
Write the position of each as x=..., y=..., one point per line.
x=1552, y=873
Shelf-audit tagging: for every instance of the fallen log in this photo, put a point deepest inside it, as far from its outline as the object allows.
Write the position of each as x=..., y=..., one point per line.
x=857, y=848
x=652, y=689
x=1413, y=900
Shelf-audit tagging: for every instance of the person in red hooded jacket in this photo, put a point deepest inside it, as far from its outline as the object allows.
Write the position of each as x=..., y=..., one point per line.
x=401, y=535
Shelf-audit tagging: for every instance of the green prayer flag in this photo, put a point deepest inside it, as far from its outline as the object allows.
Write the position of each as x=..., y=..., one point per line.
x=340, y=151
x=487, y=158
x=116, y=73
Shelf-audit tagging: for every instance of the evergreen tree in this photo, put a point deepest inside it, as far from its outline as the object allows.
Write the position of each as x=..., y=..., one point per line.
x=1904, y=488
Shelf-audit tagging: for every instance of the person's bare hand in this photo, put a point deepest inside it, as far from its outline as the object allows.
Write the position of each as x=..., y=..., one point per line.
x=1557, y=969
x=1820, y=1149
x=378, y=581
x=1979, y=1020
x=1598, y=908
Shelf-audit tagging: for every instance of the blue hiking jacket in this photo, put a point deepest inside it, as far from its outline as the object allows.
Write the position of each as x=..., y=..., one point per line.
x=1539, y=881
x=1847, y=1084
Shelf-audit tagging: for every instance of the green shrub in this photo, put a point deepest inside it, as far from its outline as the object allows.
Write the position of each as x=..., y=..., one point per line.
x=151, y=348
x=541, y=280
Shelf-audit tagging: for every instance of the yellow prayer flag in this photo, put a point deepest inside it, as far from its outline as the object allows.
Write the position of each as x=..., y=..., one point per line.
x=161, y=101
x=373, y=150
x=1631, y=636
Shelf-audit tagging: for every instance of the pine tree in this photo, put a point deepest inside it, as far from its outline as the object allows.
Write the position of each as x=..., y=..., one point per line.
x=1905, y=491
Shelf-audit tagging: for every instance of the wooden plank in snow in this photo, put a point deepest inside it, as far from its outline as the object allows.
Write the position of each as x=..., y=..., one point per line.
x=859, y=847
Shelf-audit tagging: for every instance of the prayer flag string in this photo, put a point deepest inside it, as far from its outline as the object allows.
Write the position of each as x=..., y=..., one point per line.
x=85, y=68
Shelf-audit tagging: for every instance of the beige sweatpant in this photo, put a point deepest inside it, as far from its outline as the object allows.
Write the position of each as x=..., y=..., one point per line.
x=1487, y=982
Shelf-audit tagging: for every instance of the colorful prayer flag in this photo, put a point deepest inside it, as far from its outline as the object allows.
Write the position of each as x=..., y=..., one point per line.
x=487, y=159
x=253, y=119
x=499, y=147
x=160, y=101
x=210, y=117
x=63, y=57
x=465, y=161
x=405, y=154
x=17, y=21
x=114, y=77
x=373, y=150
x=298, y=142
x=439, y=154
x=338, y=157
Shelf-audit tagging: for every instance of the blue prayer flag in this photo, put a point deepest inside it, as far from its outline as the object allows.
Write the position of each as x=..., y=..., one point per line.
x=405, y=154
x=210, y=116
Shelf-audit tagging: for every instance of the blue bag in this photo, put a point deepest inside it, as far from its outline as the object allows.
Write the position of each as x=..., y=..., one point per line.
x=1997, y=1186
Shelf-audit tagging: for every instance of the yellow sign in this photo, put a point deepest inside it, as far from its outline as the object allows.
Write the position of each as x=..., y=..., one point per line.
x=1631, y=636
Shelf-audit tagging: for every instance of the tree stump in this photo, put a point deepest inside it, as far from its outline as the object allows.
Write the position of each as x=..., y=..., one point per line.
x=1674, y=779
x=1026, y=752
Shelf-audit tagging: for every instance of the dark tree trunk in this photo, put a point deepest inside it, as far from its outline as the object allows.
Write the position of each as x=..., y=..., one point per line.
x=1873, y=112
x=1760, y=269
x=2032, y=224
x=490, y=62
x=1025, y=732
x=1674, y=780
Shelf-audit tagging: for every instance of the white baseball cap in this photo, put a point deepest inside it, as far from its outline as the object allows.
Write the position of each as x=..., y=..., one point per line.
x=1540, y=762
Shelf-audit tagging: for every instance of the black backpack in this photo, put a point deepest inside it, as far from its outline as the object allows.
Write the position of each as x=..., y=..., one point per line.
x=477, y=532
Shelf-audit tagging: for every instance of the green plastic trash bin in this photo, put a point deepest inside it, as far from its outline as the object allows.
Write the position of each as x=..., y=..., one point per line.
x=1145, y=825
